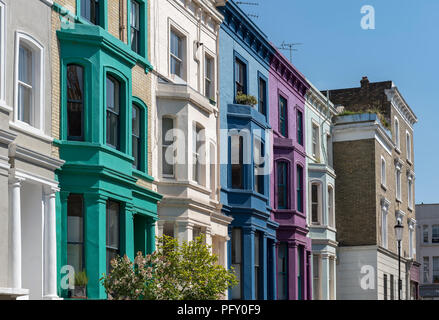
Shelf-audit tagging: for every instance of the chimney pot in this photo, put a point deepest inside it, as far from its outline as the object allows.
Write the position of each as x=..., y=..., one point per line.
x=364, y=82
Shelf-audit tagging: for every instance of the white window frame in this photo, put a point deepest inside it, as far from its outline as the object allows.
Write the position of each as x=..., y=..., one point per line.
x=385, y=205
x=331, y=206
x=211, y=57
x=319, y=185
x=182, y=34
x=397, y=135
x=383, y=172
x=410, y=191
x=315, y=140
x=3, y=55
x=425, y=228
x=198, y=155
x=408, y=141
x=398, y=184
x=38, y=69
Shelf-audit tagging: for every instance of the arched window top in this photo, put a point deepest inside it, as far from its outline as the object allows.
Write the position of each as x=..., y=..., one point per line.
x=75, y=102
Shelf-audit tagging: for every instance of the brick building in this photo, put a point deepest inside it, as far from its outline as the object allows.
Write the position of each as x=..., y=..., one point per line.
x=374, y=163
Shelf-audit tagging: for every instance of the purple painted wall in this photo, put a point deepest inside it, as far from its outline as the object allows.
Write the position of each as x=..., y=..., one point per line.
x=285, y=80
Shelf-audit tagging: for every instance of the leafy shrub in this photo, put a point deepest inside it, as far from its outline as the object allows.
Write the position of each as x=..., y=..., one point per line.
x=249, y=100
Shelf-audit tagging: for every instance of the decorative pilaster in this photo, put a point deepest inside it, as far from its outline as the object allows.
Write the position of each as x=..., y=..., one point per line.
x=15, y=232
x=50, y=274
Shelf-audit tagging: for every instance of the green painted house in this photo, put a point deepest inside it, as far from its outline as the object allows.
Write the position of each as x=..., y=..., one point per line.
x=106, y=205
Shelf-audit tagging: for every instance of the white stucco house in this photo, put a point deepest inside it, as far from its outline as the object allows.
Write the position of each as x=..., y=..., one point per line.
x=185, y=129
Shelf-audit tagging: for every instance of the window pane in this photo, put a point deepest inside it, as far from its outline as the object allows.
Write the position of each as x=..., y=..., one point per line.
x=283, y=116
x=237, y=161
x=167, y=161
x=435, y=234
x=113, y=225
x=282, y=263
x=316, y=277
x=299, y=128
x=75, y=232
x=176, y=45
x=135, y=26
x=25, y=66
x=75, y=84
x=262, y=93
x=24, y=103
x=113, y=106
x=315, y=203
x=435, y=269
x=236, y=260
x=299, y=188
x=282, y=188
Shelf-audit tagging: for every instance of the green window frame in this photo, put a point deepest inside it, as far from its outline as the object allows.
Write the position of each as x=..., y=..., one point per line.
x=137, y=26
x=113, y=236
x=142, y=135
x=75, y=101
x=100, y=18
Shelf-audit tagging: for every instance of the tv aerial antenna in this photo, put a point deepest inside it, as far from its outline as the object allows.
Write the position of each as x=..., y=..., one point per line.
x=247, y=3
x=289, y=47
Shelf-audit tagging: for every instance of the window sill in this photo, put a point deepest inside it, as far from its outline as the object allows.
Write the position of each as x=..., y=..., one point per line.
x=409, y=162
x=142, y=175
x=383, y=187
x=5, y=107
x=27, y=129
x=410, y=209
x=398, y=200
x=397, y=150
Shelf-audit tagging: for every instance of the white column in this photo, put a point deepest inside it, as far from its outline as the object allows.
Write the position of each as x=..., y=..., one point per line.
x=50, y=245
x=209, y=238
x=15, y=233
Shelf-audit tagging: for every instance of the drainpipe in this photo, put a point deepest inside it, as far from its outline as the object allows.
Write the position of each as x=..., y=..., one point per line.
x=218, y=105
x=122, y=26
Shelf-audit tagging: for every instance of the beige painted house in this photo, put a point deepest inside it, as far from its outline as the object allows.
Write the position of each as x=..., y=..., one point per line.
x=374, y=163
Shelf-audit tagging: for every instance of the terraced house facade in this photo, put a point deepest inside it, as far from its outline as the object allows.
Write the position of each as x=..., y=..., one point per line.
x=374, y=162
x=101, y=124
x=186, y=121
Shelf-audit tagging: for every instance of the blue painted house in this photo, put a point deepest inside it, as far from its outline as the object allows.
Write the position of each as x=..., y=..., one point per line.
x=244, y=61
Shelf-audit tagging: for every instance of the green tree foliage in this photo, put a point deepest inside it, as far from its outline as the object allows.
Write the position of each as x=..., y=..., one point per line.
x=186, y=271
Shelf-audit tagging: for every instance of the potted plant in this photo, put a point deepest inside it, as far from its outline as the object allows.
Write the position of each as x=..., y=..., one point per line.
x=245, y=99
x=80, y=290
x=212, y=101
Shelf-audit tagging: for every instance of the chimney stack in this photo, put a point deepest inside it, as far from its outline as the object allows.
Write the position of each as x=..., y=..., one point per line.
x=364, y=83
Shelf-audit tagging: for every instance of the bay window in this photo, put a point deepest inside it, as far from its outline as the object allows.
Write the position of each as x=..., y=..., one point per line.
x=75, y=102
x=237, y=161
x=331, y=216
x=112, y=232
x=168, y=152
x=258, y=165
x=113, y=112
x=299, y=190
x=282, y=185
x=315, y=203
x=198, y=172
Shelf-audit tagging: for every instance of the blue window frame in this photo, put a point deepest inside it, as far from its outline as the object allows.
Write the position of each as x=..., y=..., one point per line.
x=262, y=92
x=259, y=164
x=300, y=127
x=240, y=75
x=282, y=185
x=283, y=116
x=299, y=192
x=237, y=161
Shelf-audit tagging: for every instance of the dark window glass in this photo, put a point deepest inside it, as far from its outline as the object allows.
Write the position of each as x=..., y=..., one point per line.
x=283, y=116
x=282, y=185
x=90, y=11
x=282, y=278
x=113, y=244
x=75, y=232
x=300, y=279
x=240, y=77
x=237, y=162
x=135, y=26
x=25, y=85
x=315, y=203
x=258, y=265
x=300, y=128
x=262, y=96
x=113, y=112
x=237, y=261
x=176, y=54
x=75, y=102
x=385, y=286
x=299, y=189
x=136, y=137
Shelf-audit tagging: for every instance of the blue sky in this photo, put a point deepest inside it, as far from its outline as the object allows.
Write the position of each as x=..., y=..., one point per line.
x=337, y=52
